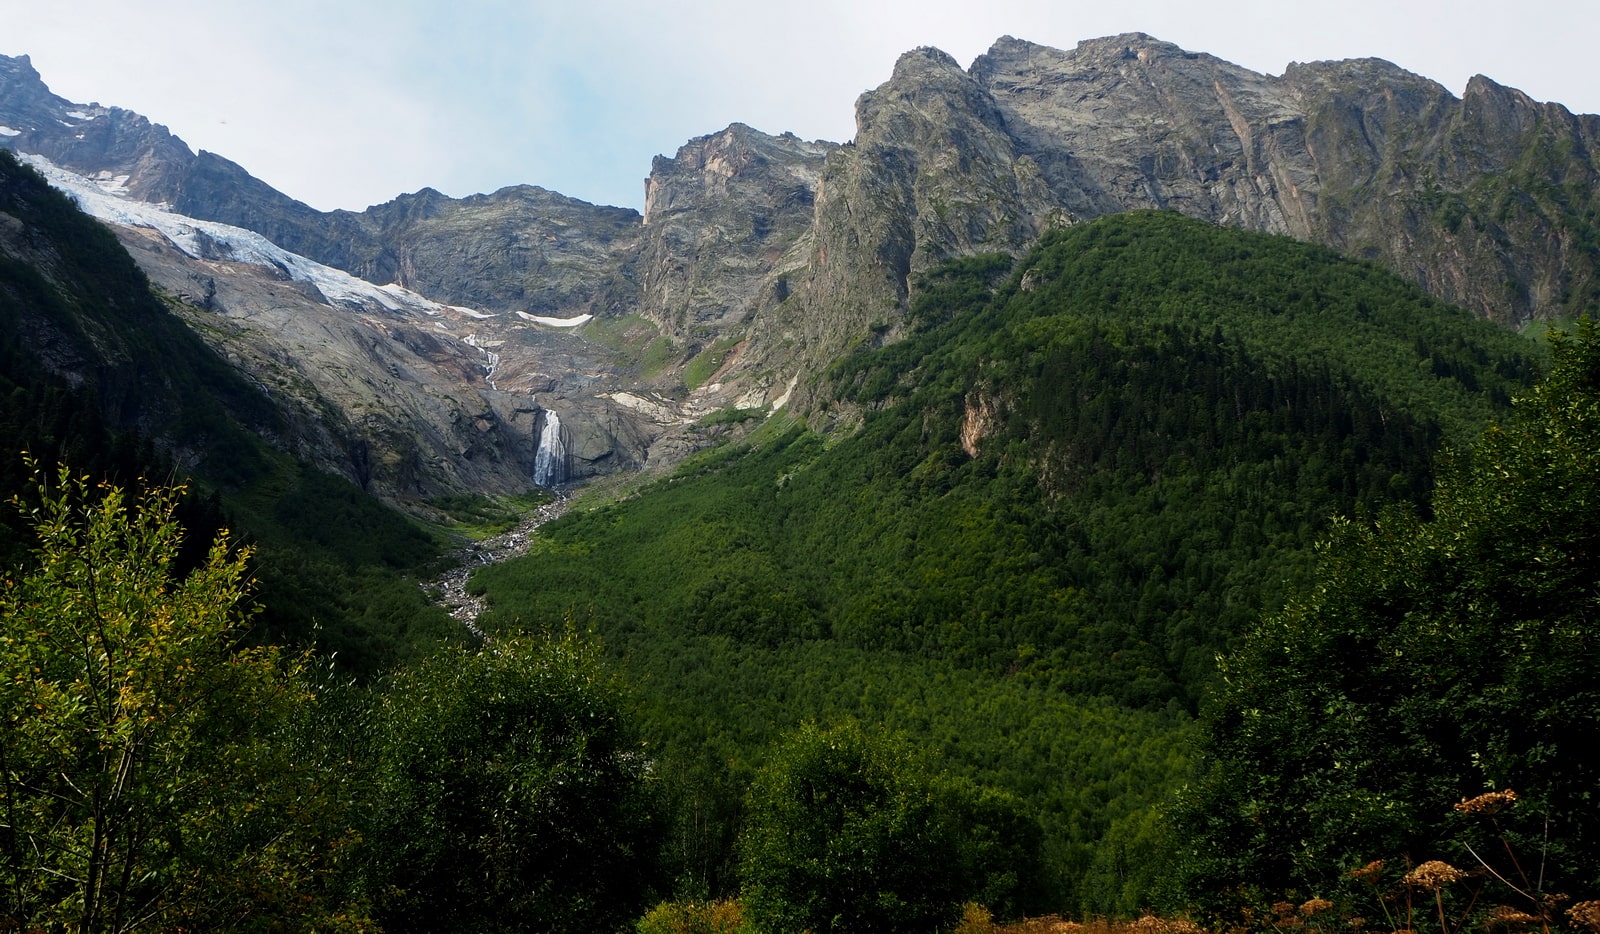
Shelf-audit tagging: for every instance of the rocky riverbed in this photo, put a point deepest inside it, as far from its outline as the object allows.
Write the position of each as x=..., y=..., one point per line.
x=449, y=590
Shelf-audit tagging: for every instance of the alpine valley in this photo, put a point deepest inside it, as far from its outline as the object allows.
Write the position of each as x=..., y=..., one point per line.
x=990, y=430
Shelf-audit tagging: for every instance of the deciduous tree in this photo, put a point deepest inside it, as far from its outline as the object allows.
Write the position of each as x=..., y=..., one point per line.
x=147, y=779
x=844, y=833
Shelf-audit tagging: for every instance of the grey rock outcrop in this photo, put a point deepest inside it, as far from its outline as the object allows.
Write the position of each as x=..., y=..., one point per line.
x=382, y=398
x=407, y=405
x=107, y=142
x=522, y=248
x=724, y=226
x=932, y=174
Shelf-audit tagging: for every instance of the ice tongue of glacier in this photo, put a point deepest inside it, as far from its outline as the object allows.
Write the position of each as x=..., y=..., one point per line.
x=107, y=200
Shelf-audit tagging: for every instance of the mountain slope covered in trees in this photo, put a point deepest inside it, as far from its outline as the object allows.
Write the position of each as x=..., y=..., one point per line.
x=1433, y=696
x=1015, y=510
x=1070, y=487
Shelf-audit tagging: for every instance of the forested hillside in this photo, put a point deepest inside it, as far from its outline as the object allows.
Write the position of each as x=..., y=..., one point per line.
x=1145, y=563
x=1432, y=701
x=1075, y=483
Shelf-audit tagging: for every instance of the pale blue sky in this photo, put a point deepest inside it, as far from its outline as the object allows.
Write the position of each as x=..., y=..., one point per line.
x=345, y=103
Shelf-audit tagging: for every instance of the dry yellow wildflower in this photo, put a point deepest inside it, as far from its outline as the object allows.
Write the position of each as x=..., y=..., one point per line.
x=1433, y=874
x=1048, y=924
x=1369, y=872
x=1512, y=919
x=1490, y=803
x=1315, y=906
x=1586, y=915
x=1148, y=924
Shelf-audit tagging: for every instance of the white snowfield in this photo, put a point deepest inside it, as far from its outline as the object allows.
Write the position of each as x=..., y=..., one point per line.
x=106, y=198
x=555, y=322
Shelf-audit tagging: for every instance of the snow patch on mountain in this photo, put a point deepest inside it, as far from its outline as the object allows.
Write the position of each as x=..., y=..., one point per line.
x=112, y=184
x=555, y=322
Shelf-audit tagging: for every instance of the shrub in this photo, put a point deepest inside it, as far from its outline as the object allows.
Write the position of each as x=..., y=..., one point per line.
x=843, y=834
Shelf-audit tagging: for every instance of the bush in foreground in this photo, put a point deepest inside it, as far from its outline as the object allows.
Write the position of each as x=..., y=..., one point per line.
x=508, y=794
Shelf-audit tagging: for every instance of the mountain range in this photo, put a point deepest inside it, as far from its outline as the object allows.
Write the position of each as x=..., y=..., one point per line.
x=432, y=345
x=1000, y=427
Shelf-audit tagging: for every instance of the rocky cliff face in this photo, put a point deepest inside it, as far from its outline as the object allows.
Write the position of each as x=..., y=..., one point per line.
x=522, y=248
x=404, y=402
x=1487, y=200
x=409, y=401
x=104, y=142
x=519, y=249
x=725, y=224
x=932, y=173
x=1360, y=155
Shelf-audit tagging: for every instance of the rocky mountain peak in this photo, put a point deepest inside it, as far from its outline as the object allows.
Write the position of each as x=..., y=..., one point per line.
x=1010, y=56
x=1010, y=49
x=26, y=103
x=1510, y=111
x=933, y=173
x=1129, y=45
x=716, y=164
x=723, y=220
x=123, y=148
x=1360, y=155
x=921, y=62
x=1360, y=77
x=419, y=204
x=924, y=76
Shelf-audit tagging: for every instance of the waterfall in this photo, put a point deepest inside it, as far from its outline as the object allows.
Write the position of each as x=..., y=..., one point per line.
x=550, y=455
